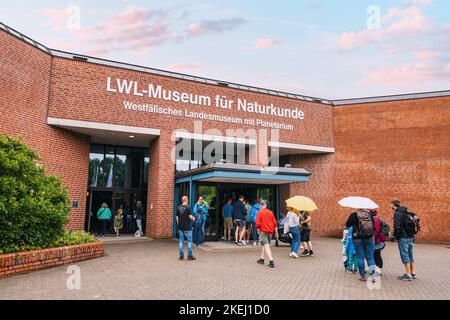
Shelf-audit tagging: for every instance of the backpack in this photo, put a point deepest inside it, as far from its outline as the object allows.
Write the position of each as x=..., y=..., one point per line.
x=198, y=220
x=365, y=224
x=411, y=223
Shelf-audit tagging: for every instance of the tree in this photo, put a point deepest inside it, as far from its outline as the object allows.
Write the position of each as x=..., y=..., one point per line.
x=33, y=206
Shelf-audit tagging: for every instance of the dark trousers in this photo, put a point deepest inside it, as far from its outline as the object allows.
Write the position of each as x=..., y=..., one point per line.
x=102, y=227
x=378, y=259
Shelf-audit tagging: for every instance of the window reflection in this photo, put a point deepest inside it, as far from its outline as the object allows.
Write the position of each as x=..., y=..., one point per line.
x=120, y=167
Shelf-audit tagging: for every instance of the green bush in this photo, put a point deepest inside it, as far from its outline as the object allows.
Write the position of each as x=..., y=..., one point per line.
x=33, y=206
x=74, y=237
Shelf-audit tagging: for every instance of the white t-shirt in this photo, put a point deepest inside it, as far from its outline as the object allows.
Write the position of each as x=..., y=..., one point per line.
x=292, y=219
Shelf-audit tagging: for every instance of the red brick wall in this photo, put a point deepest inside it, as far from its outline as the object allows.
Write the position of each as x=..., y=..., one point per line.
x=24, y=98
x=161, y=188
x=384, y=150
x=397, y=149
x=23, y=262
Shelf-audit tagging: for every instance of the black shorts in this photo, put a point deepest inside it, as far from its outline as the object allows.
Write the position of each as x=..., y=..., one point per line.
x=305, y=235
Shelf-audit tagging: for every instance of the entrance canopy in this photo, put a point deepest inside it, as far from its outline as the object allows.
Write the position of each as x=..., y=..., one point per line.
x=239, y=173
x=106, y=133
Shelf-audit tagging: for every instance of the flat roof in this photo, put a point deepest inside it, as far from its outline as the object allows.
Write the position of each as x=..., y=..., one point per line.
x=221, y=83
x=243, y=173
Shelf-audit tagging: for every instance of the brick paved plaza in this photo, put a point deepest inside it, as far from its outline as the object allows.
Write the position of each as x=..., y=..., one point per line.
x=151, y=270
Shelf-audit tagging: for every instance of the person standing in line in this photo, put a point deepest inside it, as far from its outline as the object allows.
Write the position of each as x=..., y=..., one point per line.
x=406, y=225
x=293, y=222
x=201, y=208
x=138, y=215
x=380, y=241
x=248, y=229
x=362, y=223
x=267, y=226
x=118, y=223
x=239, y=220
x=306, y=234
x=103, y=216
x=253, y=214
x=184, y=222
x=227, y=214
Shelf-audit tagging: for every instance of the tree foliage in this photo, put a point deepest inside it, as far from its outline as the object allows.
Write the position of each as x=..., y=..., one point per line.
x=33, y=206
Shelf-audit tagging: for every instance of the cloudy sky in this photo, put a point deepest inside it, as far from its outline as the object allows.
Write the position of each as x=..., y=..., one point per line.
x=328, y=48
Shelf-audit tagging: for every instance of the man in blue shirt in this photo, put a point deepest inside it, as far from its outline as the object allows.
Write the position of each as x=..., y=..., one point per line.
x=239, y=213
x=227, y=213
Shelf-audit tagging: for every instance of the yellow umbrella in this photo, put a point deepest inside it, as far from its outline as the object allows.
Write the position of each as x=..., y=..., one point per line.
x=301, y=203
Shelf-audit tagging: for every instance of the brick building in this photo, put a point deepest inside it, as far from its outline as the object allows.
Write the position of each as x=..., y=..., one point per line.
x=121, y=133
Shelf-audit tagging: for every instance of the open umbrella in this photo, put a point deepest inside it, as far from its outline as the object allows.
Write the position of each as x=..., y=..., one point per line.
x=358, y=203
x=301, y=203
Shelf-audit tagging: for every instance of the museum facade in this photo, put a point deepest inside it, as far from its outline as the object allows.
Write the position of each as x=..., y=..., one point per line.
x=121, y=133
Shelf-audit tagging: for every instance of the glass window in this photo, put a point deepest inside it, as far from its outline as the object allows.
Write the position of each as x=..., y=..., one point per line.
x=145, y=174
x=107, y=168
x=95, y=169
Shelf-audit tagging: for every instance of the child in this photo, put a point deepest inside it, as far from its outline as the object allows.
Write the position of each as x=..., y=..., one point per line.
x=118, y=223
x=344, y=248
x=352, y=265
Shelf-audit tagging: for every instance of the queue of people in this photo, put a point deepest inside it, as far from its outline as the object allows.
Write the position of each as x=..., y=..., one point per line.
x=121, y=219
x=365, y=237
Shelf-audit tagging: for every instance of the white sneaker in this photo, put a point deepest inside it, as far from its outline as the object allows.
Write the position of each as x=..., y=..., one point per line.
x=290, y=254
x=294, y=255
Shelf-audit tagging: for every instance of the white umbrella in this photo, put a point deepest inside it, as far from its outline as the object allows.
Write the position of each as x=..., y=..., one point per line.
x=358, y=203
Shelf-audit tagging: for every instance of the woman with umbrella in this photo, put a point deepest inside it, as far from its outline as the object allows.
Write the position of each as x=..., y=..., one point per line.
x=306, y=205
x=362, y=225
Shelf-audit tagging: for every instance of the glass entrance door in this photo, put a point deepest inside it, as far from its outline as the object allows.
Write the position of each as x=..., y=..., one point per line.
x=114, y=199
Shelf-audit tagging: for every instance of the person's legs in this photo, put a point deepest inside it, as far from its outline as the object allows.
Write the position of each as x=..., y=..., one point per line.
x=103, y=227
x=352, y=262
x=202, y=237
x=254, y=233
x=268, y=252
x=139, y=224
x=242, y=237
x=403, y=247
x=378, y=259
x=296, y=241
x=181, y=243
x=189, y=242
x=360, y=257
x=236, y=233
x=369, y=253
x=411, y=255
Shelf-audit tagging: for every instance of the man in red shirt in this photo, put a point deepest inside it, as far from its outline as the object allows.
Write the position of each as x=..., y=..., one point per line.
x=267, y=226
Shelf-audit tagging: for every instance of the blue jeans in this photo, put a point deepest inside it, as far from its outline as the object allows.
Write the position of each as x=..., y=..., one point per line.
x=198, y=236
x=188, y=236
x=406, y=247
x=296, y=241
x=254, y=232
x=202, y=237
x=364, y=249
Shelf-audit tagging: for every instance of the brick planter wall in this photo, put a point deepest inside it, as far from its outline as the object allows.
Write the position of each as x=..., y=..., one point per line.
x=22, y=262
